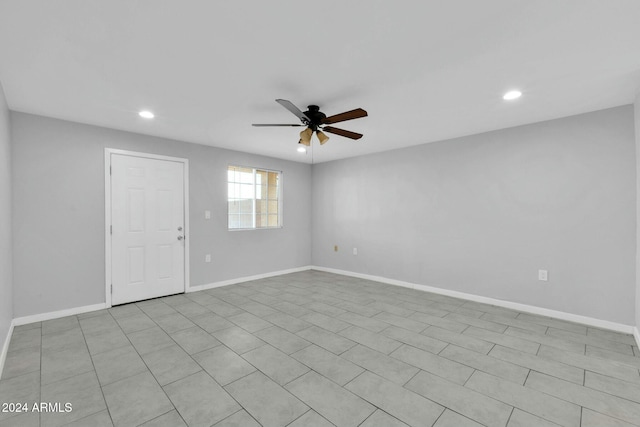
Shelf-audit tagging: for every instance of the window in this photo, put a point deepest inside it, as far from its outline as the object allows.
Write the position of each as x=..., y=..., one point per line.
x=254, y=198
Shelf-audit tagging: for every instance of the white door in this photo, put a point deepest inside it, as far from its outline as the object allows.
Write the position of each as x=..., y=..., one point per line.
x=147, y=236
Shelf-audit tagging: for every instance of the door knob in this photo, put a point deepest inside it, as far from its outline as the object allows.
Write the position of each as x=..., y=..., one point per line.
x=179, y=228
x=180, y=237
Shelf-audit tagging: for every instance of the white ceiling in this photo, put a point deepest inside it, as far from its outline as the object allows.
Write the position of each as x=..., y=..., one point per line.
x=424, y=70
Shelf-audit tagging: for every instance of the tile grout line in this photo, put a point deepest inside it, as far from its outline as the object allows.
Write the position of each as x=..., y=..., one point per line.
x=94, y=369
x=147, y=366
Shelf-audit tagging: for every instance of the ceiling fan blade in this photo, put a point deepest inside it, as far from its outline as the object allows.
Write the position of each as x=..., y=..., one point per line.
x=342, y=132
x=264, y=125
x=343, y=117
x=295, y=110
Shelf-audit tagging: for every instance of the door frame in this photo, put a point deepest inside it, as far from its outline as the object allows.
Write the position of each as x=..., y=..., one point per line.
x=107, y=212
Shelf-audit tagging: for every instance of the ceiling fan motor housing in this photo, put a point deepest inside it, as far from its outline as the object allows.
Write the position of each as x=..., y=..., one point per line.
x=315, y=116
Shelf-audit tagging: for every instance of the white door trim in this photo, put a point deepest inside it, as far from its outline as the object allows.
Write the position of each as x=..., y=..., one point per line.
x=107, y=212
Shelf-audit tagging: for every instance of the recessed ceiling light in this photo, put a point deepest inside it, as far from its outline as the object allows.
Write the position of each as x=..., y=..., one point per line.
x=146, y=114
x=511, y=95
x=302, y=150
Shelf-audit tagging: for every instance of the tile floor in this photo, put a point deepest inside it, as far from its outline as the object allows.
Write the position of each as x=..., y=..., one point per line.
x=317, y=349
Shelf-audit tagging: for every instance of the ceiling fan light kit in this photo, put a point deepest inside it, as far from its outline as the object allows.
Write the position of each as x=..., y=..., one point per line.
x=305, y=137
x=316, y=121
x=322, y=137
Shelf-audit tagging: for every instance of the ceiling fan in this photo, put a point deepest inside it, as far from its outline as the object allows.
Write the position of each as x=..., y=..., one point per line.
x=316, y=121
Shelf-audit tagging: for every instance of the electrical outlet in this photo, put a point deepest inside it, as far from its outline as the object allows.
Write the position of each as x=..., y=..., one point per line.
x=543, y=275
x=207, y=214
x=207, y=258
x=335, y=248
x=355, y=251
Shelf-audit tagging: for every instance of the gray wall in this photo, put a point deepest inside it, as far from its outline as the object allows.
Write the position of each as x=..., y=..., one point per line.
x=58, y=177
x=637, y=129
x=481, y=214
x=6, y=286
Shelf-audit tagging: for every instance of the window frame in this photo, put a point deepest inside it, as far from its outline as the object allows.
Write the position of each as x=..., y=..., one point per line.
x=279, y=190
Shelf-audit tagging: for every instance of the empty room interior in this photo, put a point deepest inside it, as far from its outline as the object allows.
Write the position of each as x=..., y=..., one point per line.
x=368, y=214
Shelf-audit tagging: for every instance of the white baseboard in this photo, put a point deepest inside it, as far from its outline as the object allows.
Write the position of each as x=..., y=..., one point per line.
x=636, y=335
x=576, y=318
x=5, y=347
x=24, y=320
x=87, y=308
x=57, y=314
x=246, y=279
